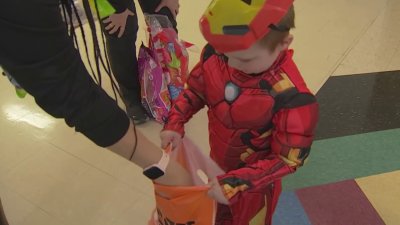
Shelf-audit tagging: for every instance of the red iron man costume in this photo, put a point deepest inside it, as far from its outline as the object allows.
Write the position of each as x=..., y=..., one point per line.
x=261, y=129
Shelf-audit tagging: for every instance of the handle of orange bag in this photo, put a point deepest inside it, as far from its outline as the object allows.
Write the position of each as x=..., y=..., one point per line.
x=158, y=169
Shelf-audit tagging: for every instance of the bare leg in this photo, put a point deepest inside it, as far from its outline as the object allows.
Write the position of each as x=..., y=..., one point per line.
x=3, y=220
x=148, y=153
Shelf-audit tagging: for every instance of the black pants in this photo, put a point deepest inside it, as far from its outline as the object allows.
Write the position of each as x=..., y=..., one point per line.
x=122, y=51
x=3, y=220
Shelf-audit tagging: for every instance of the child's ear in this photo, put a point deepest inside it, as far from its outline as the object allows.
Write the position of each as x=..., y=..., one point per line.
x=286, y=42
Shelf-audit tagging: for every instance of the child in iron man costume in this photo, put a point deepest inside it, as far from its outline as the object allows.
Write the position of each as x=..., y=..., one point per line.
x=261, y=114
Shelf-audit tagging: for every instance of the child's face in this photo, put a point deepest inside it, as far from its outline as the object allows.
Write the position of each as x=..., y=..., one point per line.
x=257, y=58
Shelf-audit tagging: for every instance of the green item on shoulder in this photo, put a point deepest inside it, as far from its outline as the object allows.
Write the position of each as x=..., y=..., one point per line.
x=105, y=8
x=21, y=93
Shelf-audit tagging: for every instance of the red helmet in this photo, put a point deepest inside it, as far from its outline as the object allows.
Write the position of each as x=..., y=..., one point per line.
x=232, y=25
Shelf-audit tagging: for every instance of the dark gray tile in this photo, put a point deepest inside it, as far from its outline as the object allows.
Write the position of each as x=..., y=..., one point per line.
x=358, y=104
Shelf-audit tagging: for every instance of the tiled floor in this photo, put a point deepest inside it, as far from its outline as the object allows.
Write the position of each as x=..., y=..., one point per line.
x=50, y=175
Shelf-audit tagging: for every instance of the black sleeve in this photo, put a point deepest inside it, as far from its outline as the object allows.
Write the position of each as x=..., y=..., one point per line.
x=36, y=50
x=120, y=5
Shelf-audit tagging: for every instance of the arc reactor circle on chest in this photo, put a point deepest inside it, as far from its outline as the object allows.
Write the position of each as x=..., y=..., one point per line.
x=232, y=91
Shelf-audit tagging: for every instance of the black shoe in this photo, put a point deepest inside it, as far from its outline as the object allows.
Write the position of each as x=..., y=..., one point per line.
x=133, y=105
x=137, y=113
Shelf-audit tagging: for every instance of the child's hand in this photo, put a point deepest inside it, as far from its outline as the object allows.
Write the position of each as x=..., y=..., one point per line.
x=117, y=21
x=216, y=193
x=170, y=137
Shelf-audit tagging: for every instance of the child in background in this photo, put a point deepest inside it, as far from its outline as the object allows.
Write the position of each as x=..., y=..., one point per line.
x=120, y=30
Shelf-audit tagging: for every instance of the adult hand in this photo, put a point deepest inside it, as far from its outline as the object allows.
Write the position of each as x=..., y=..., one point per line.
x=117, y=21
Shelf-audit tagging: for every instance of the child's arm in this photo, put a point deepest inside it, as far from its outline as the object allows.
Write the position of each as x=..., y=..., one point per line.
x=292, y=136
